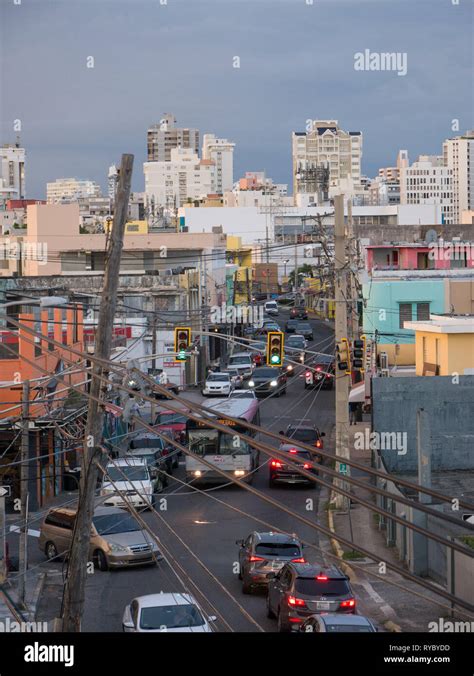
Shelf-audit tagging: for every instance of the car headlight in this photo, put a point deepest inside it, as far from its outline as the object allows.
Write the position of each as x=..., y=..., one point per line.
x=251, y=383
x=107, y=491
x=114, y=547
x=273, y=383
x=289, y=367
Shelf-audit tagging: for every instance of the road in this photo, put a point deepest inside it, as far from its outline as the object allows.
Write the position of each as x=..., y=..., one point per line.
x=208, y=529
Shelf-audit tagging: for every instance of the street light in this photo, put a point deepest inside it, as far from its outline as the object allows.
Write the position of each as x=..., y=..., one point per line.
x=44, y=301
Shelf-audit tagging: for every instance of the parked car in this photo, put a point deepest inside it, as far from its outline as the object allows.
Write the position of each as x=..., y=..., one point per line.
x=262, y=555
x=281, y=473
x=303, y=589
x=219, y=384
x=305, y=329
x=271, y=307
x=117, y=540
x=308, y=434
x=132, y=477
x=171, y=387
x=243, y=394
x=236, y=378
x=268, y=380
x=337, y=623
x=290, y=326
x=295, y=346
x=320, y=373
x=243, y=362
x=299, y=313
x=165, y=612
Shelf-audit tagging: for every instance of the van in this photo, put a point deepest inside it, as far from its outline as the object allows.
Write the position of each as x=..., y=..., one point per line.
x=128, y=480
x=271, y=307
x=117, y=540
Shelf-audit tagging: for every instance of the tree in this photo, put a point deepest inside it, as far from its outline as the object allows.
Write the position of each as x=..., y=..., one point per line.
x=306, y=270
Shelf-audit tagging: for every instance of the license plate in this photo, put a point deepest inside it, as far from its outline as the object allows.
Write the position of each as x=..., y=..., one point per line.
x=323, y=605
x=276, y=566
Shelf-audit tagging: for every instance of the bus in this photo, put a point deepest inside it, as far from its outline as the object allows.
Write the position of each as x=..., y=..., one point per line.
x=229, y=453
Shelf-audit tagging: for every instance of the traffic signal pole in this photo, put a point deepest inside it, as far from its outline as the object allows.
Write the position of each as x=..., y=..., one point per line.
x=343, y=379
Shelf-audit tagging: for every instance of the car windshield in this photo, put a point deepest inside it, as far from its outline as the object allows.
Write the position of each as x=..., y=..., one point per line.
x=127, y=473
x=171, y=617
x=240, y=360
x=292, y=322
x=170, y=419
x=218, y=377
x=108, y=524
x=149, y=458
x=295, y=342
x=243, y=395
x=278, y=549
x=302, y=434
x=303, y=326
x=310, y=586
x=265, y=373
x=341, y=628
x=306, y=455
x=146, y=442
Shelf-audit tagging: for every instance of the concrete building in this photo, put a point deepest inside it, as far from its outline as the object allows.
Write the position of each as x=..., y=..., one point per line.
x=221, y=152
x=325, y=145
x=429, y=181
x=444, y=345
x=255, y=189
x=12, y=172
x=112, y=182
x=163, y=137
x=65, y=190
x=458, y=157
x=184, y=177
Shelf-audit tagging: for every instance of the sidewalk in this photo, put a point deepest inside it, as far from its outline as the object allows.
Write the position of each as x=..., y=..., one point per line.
x=396, y=608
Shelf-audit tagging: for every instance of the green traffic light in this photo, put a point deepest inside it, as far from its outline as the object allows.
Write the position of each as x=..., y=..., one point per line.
x=275, y=359
x=182, y=354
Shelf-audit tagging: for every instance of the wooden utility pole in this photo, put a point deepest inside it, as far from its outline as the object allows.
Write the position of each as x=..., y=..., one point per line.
x=74, y=590
x=343, y=380
x=24, y=475
x=352, y=288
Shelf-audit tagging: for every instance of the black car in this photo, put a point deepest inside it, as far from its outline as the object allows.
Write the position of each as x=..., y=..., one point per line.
x=290, y=326
x=305, y=329
x=281, y=473
x=308, y=434
x=262, y=555
x=300, y=590
x=268, y=380
x=171, y=387
x=320, y=373
x=299, y=313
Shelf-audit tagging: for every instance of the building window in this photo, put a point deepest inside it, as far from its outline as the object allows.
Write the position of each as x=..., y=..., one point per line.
x=422, y=312
x=405, y=314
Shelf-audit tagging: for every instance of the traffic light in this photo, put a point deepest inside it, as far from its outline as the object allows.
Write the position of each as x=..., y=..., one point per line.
x=275, y=348
x=182, y=340
x=358, y=354
x=344, y=356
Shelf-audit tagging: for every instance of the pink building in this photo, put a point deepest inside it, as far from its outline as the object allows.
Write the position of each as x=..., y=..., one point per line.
x=437, y=255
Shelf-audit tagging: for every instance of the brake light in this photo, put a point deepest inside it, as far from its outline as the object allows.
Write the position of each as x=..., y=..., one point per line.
x=308, y=373
x=306, y=466
x=318, y=368
x=318, y=444
x=322, y=578
x=276, y=463
x=350, y=603
x=300, y=560
x=252, y=559
x=293, y=601
x=293, y=450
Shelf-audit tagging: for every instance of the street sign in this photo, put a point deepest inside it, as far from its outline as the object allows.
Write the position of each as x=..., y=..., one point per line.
x=342, y=468
x=468, y=517
x=5, y=491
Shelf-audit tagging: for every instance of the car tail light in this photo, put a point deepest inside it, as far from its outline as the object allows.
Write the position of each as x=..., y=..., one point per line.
x=318, y=444
x=318, y=368
x=306, y=466
x=276, y=463
x=293, y=450
x=307, y=374
x=293, y=601
x=322, y=578
x=350, y=603
x=300, y=560
x=252, y=559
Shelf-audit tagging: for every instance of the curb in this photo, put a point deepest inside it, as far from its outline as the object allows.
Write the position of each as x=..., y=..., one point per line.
x=336, y=547
x=37, y=593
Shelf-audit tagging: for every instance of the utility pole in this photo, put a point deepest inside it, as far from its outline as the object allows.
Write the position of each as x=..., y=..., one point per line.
x=342, y=379
x=74, y=589
x=153, y=362
x=24, y=475
x=354, y=315
x=296, y=266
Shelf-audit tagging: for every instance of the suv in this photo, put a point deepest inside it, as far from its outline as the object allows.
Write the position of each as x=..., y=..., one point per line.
x=268, y=380
x=132, y=477
x=217, y=383
x=299, y=313
x=303, y=589
x=321, y=373
x=295, y=347
x=283, y=474
x=305, y=329
x=308, y=434
x=117, y=540
x=243, y=362
x=262, y=555
x=290, y=326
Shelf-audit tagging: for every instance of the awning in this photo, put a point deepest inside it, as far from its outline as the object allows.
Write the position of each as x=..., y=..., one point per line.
x=357, y=393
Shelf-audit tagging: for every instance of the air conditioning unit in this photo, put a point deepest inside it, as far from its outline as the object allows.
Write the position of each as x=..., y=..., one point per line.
x=384, y=361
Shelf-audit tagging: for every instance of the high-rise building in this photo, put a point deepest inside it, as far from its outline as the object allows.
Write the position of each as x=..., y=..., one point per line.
x=163, y=137
x=325, y=156
x=12, y=172
x=458, y=156
x=429, y=181
x=64, y=190
x=221, y=152
x=112, y=182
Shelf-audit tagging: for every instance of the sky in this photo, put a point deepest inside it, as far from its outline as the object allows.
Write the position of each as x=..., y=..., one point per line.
x=296, y=63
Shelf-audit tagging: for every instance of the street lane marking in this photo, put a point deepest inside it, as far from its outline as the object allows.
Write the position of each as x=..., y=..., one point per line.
x=31, y=531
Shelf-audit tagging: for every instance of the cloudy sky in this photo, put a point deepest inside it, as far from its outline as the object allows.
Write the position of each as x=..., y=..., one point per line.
x=296, y=62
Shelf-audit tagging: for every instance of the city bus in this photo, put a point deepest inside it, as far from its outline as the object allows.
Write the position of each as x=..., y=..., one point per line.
x=229, y=453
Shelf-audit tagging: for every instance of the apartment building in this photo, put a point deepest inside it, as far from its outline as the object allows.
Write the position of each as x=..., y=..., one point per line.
x=221, y=152
x=64, y=190
x=162, y=138
x=429, y=181
x=458, y=157
x=12, y=172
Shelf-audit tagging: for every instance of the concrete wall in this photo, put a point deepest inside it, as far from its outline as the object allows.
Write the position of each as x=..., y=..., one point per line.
x=451, y=410
x=411, y=232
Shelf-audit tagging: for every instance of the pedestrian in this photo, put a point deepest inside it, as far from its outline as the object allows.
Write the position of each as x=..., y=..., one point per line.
x=353, y=412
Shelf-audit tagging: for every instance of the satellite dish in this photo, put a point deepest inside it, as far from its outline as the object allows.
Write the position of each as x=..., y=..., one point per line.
x=431, y=236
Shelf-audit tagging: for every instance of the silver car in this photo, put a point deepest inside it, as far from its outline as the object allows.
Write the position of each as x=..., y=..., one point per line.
x=165, y=613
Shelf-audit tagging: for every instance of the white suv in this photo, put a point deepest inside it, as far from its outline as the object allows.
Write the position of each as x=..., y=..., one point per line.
x=217, y=384
x=130, y=476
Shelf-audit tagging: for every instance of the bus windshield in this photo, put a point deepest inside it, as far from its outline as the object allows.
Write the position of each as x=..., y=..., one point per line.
x=212, y=442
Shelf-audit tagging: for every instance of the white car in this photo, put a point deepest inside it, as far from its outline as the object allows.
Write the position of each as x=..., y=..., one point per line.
x=217, y=384
x=243, y=394
x=243, y=362
x=130, y=476
x=236, y=378
x=165, y=613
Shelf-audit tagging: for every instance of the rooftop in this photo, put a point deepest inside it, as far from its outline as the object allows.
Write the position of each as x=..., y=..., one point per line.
x=444, y=324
